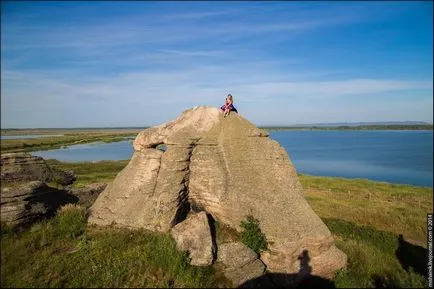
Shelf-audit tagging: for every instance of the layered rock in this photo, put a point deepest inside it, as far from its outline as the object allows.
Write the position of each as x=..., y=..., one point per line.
x=26, y=202
x=25, y=196
x=228, y=168
x=151, y=191
x=21, y=167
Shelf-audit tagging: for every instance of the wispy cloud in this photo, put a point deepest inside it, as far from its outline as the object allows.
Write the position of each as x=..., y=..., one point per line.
x=334, y=89
x=164, y=58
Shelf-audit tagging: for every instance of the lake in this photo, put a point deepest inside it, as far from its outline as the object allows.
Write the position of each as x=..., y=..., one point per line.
x=404, y=157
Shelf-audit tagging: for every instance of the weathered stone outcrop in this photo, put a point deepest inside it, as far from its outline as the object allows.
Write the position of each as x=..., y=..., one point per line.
x=228, y=168
x=20, y=167
x=194, y=235
x=25, y=197
x=26, y=202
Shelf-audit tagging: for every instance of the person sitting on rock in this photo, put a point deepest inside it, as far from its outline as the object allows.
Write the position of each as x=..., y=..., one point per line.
x=228, y=106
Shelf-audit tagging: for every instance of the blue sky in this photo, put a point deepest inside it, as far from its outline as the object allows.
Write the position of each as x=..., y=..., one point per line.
x=102, y=64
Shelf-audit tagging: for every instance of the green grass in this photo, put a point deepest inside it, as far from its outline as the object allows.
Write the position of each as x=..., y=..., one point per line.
x=44, y=256
x=371, y=257
x=365, y=217
x=91, y=172
x=400, y=209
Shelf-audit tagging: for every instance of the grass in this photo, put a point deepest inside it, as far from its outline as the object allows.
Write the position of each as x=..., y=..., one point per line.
x=365, y=217
x=400, y=209
x=91, y=172
x=69, y=131
x=69, y=138
x=44, y=256
x=371, y=258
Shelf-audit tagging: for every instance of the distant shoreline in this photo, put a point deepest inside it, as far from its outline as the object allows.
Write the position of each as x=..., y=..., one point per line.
x=428, y=127
x=18, y=131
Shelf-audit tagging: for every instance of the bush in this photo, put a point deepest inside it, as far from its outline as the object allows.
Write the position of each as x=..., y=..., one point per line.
x=252, y=236
x=58, y=182
x=70, y=220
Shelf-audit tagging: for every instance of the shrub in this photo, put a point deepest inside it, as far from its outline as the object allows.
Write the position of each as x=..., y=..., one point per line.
x=252, y=236
x=70, y=220
x=58, y=182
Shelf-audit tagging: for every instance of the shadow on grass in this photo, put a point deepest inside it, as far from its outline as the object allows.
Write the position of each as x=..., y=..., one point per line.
x=302, y=279
x=410, y=255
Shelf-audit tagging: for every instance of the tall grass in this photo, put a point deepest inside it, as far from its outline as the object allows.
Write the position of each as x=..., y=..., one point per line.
x=63, y=253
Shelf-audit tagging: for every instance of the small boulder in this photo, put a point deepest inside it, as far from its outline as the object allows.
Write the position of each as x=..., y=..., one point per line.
x=239, y=263
x=88, y=194
x=194, y=235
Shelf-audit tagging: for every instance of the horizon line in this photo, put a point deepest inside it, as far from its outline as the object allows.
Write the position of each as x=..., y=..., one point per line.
x=276, y=125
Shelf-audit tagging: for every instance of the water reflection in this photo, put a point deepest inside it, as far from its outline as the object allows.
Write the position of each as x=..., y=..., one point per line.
x=97, y=151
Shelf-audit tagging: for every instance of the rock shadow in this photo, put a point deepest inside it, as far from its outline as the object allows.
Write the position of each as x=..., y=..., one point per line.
x=211, y=223
x=302, y=279
x=47, y=204
x=411, y=256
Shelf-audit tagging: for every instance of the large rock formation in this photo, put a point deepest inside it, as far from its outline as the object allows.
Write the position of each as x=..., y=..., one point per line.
x=228, y=168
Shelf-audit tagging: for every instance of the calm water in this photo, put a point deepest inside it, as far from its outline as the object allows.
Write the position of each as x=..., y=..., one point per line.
x=98, y=151
x=27, y=136
x=393, y=156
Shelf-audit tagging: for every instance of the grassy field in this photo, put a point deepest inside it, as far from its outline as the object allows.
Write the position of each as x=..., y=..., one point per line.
x=68, y=137
x=63, y=131
x=365, y=217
